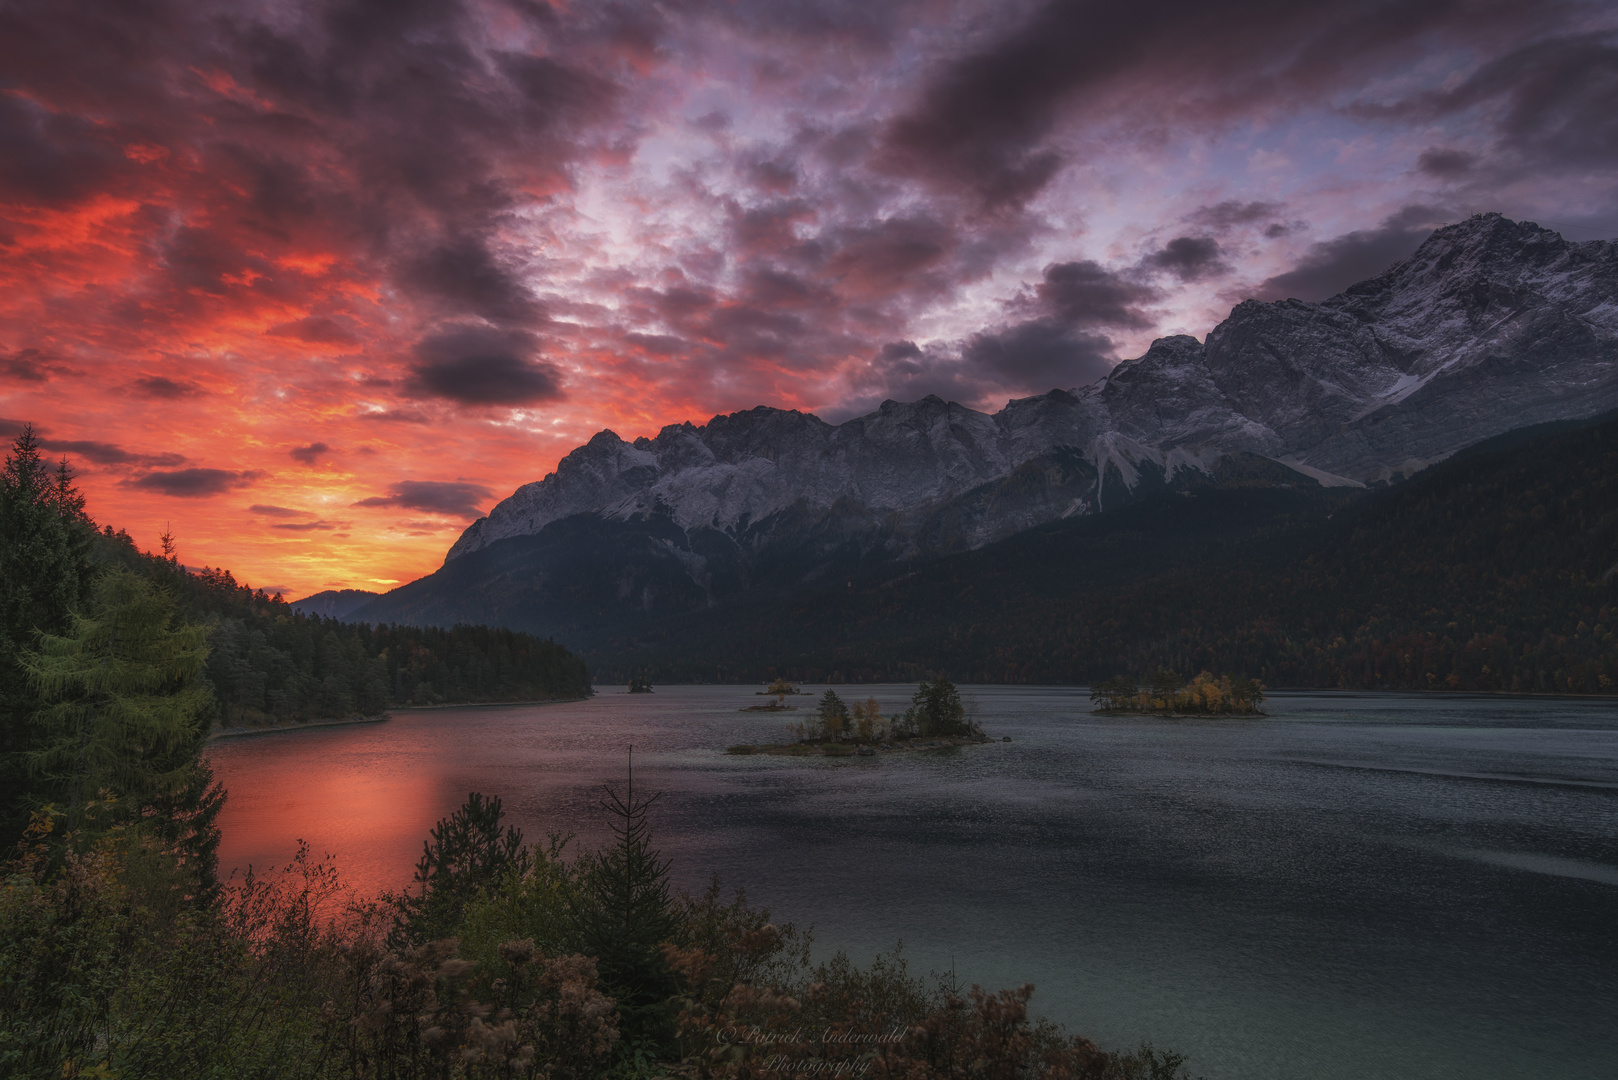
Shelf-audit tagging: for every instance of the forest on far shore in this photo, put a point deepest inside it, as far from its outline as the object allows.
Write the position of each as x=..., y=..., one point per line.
x=1492, y=571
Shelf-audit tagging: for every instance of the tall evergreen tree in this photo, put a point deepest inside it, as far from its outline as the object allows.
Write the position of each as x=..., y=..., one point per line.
x=123, y=703
x=625, y=913
x=46, y=574
x=468, y=852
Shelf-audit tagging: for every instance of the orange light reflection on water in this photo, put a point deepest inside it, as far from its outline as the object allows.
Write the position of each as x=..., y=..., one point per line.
x=370, y=819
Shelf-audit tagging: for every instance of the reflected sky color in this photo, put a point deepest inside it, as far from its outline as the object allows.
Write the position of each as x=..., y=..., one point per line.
x=1358, y=887
x=317, y=283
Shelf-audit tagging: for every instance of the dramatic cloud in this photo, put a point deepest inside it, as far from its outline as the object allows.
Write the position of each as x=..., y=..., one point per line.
x=309, y=526
x=195, y=483
x=450, y=498
x=458, y=237
x=30, y=365
x=1333, y=265
x=278, y=511
x=477, y=366
x=308, y=455
x=1446, y=164
x=107, y=454
x=1233, y=212
x=1189, y=258
x=988, y=122
x=160, y=386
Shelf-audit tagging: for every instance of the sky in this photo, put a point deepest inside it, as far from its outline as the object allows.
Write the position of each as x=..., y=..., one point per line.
x=312, y=285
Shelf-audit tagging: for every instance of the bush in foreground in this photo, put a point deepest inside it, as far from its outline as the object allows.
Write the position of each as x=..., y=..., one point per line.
x=545, y=967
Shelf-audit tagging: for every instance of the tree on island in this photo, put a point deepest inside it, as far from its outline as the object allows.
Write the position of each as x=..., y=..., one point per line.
x=1166, y=692
x=935, y=712
x=833, y=714
x=868, y=723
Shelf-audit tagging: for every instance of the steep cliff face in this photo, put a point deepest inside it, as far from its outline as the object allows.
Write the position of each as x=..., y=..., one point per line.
x=1491, y=325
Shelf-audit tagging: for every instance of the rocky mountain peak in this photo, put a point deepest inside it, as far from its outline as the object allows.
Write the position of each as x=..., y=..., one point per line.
x=1491, y=324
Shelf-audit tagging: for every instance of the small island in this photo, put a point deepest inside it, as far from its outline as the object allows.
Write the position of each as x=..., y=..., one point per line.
x=935, y=718
x=640, y=684
x=780, y=689
x=1166, y=694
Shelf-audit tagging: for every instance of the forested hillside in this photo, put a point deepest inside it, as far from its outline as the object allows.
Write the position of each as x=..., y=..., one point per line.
x=267, y=661
x=1492, y=571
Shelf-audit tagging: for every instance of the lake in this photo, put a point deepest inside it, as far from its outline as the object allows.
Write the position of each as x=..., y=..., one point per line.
x=1357, y=886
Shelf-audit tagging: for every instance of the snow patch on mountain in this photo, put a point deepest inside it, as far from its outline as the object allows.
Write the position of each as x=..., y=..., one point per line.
x=1490, y=325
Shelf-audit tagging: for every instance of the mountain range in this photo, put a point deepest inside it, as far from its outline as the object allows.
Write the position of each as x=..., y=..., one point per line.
x=1491, y=325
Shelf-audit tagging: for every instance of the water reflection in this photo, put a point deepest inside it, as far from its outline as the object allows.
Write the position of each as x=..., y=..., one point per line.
x=1360, y=886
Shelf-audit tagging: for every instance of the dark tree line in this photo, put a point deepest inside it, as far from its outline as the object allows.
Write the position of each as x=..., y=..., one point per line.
x=71, y=595
x=268, y=662
x=1494, y=571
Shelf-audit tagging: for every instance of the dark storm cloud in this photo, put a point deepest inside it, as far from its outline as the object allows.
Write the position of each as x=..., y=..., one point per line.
x=160, y=386
x=887, y=256
x=310, y=454
x=31, y=365
x=1233, y=212
x=1331, y=266
x=194, y=483
x=450, y=498
x=1088, y=294
x=316, y=330
x=1188, y=258
x=102, y=453
x=1066, y=343
x=392, y=134
x=1549, y=105
x=47, y=157
x=984, y=122
x=109, y=454
x=904, y=371
x=476, y=365
x=1041, y=355
x=467, y=277
x=1446, y=164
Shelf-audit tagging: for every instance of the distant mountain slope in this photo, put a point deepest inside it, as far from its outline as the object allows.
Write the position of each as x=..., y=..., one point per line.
x=1496, y=570
x=334, y=603
x=1489, y=326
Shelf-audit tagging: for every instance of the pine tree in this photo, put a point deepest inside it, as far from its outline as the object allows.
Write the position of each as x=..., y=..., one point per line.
x=624, y=915
x=45, y=575
x=123, y=703
x=833, y=714
x=468, y=852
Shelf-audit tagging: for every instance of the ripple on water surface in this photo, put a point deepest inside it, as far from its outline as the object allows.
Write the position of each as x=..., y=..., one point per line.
x=1359, y=886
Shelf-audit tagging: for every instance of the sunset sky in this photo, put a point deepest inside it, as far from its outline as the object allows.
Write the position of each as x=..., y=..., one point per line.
x=317, y=283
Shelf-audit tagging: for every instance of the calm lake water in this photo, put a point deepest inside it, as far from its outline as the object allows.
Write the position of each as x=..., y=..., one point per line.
x=1359, y=886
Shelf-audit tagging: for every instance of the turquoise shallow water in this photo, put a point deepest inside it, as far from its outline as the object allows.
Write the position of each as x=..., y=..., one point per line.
x=1359, y=886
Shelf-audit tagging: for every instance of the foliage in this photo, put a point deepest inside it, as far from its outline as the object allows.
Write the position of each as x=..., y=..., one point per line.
x=1491, y=571
x=935, y=711
x=1165, y=692
x=122, y=704
x=287, y=977
x=833, y=715
x=623, y=913
x=271, y=664
x=468, y=853
x=46, y=574
x=869, y=726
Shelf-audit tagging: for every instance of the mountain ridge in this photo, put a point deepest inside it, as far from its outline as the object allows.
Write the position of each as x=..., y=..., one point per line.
x=1490, y=325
